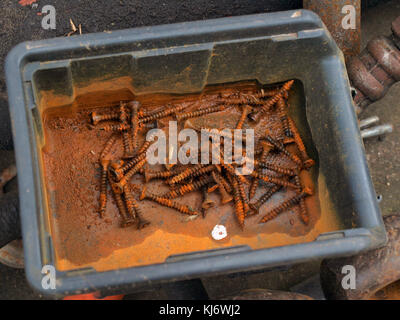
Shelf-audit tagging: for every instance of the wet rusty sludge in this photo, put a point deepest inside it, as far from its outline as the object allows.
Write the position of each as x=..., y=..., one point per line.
x=73, y=171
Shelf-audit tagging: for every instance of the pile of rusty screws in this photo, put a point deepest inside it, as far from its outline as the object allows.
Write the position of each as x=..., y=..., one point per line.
x=276, y=166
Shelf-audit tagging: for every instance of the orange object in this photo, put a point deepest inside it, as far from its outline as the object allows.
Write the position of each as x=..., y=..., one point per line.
x=93, y=296
x=26, y=2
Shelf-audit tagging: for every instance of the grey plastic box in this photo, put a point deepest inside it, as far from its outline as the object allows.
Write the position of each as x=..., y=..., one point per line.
x=268, y=48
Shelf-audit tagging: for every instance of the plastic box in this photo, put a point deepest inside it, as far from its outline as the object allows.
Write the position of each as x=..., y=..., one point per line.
x=180, y=59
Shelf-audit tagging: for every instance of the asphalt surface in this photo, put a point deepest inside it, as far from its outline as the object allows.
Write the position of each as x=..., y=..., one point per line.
x=19, y=23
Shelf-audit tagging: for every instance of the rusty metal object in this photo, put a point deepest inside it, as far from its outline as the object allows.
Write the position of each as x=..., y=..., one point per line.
x=228, y=167
x=285, y=205
x=189, y=187
x=302, y=203
x=125, y=179
x=307, y=161
x=162, y=114
x=282, y=106
x=264, y=198
x=243, y=196
x=148, y=175
x=134, y=105
x=119, y=171
x=207, y=202
x=256, y=115
x=167, y=202
x=377, y=271
x=12, y=254
x=198, y=113
x=279, y=169
x=376, y=69
x=103, y=187
x=330, y=11
x=120, y=204
x=133, y=208
x=239, y=209
x=107, y=148
x=274, y=180
x=184, y=179
x=245, y=111
x=225, y=196
x=96, y=118
x=222, y=180
x=282, y=149
x=116, y=127
x=266, y=148
x=197, y=170
x=253, y=188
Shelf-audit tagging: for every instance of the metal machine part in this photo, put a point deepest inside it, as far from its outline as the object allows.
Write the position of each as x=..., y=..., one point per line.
x=377, y=271
x=373, y=131
x=376, y=69
x=376, y=131
x=333, y=13
x=12, y=254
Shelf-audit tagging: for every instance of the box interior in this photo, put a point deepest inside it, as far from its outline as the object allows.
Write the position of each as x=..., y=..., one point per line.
x=70, y=174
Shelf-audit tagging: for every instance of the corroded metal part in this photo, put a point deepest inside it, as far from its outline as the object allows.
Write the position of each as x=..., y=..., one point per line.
x=377, y=271
x=332, y=13
x=376, y=69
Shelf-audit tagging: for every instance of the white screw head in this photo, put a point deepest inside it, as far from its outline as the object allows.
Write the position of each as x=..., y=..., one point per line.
x=219, y=232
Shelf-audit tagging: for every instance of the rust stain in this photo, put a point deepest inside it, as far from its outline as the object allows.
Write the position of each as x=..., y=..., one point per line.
x=71, y=174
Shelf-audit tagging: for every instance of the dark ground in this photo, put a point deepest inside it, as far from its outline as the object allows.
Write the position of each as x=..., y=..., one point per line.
x=18, y=23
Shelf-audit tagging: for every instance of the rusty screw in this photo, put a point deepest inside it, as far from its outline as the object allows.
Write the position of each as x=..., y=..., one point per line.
x=264, y=198
x=115, y=127
x=126, y=135
x=189, y=187
x=225, y=196
x=150, y=175
x=167, y=202
x=126, y=221
x=281, y=108
x=279, y=169
x=107, y=148
x=239, y=210
x=134, y=105
x=273, y=180
x=302, y=203
x=256, y=116
x=96, y=118
x=207, y=202
x=246, y=109
x=103, y=187
x=162, y=114
x=282, y=148
x=198, y=113
x=285, y=205
x=124, y=180
x=307, y=161
x=134, y=209
x=197, y=170
x=119, y=171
